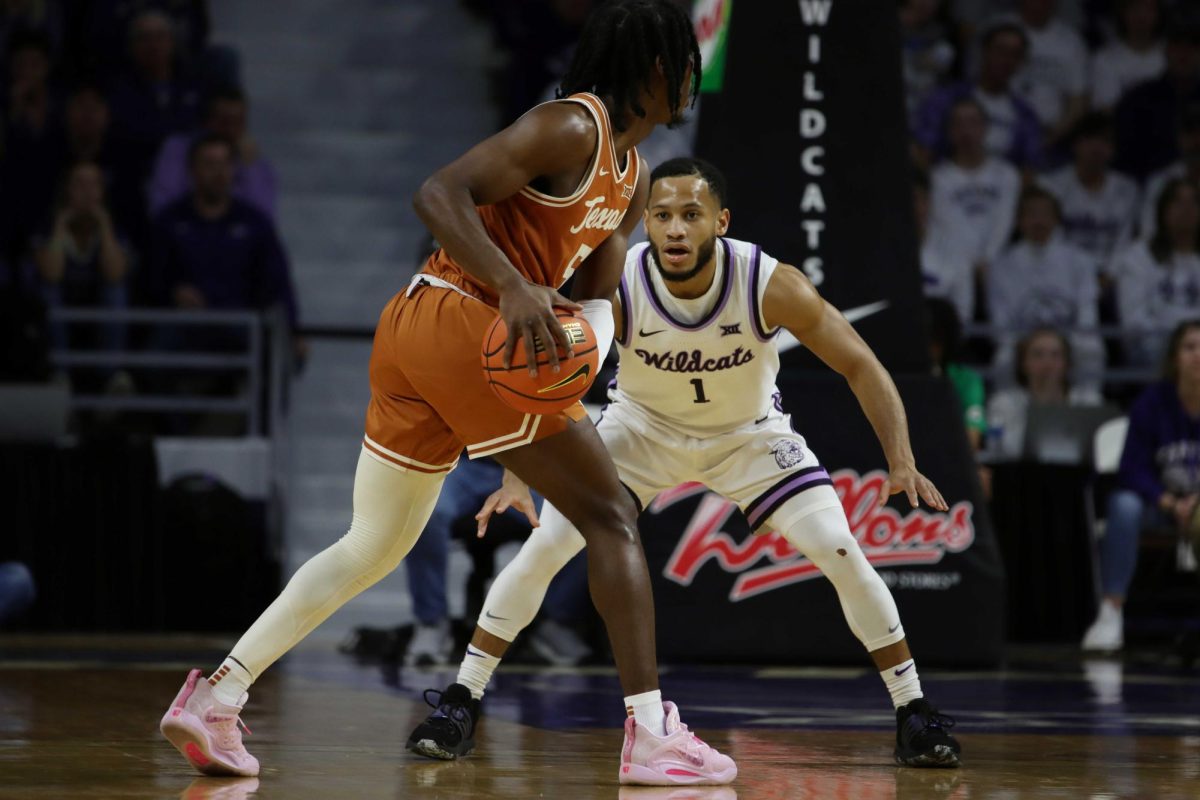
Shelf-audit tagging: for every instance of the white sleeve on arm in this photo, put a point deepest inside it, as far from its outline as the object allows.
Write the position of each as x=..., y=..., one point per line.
x=599, y=315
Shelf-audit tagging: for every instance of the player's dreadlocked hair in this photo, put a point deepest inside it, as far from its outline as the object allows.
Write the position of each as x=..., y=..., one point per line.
x=619, y=47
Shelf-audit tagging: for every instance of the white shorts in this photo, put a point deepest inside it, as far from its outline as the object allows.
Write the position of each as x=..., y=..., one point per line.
x=765, y=468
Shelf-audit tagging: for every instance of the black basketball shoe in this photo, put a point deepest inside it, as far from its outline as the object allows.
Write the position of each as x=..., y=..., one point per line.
x=449, y=732
x=923, y=737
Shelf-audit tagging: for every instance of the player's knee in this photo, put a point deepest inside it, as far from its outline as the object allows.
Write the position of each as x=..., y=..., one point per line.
x=609, y=516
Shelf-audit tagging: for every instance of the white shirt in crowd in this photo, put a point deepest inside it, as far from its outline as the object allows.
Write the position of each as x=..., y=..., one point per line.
x=971, y=210
x=1008, y=412
x=1056, y=68
x=1117, y=67
x=1153, y=296
x=945, y=275
x=1100, y=222
x=1051, y=285
x=1001, y=121
x=1154, y=186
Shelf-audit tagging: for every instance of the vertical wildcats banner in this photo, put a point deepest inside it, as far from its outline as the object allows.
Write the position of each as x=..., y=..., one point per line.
x=809, y=128
x=724, y=594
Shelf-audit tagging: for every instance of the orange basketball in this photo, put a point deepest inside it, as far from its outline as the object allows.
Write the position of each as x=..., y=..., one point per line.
x=550, y=391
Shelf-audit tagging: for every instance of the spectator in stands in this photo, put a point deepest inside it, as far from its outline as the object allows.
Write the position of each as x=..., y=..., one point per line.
x=1157, y=483
x=18, y=17
x=1054, y=77
x=212, y=250
x=155, y=99
x=83, y=262
x=927, y=46
x=1043, y=375
x=100, y=30
x=1158, y=279
x=1135, y=57
x=945, y=341
x=30, y=163
x=1042, y=280
x=1188, y=166
x=972, y=202
x=464, y=493
x=1098, y=205
x=16, y=590
x=1149, y=115
x=253, y=177
x=943, y=274
x=1012, y=130
x=87, y=136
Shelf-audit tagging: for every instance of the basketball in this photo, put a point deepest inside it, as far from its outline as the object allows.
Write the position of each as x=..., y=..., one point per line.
x=549, y=391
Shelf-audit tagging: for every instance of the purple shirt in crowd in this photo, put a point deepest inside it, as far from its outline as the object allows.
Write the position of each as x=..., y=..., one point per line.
x=1162, y=450
x=254, y=183
x=1025, y=133
x=236, y=261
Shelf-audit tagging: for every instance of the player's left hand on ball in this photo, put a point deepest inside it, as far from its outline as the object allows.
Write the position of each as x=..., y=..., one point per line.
x=916, y=486
x=513, y=493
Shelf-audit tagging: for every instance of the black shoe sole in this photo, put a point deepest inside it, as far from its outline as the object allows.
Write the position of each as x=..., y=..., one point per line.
x=431, y=749
x=941, y=757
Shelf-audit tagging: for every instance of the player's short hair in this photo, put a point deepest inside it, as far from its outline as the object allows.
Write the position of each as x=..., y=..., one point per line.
x=677, y=167
x=622, y=43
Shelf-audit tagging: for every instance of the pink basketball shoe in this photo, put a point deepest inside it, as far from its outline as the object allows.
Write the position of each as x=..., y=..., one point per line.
x=680, y=757
x=205, y=730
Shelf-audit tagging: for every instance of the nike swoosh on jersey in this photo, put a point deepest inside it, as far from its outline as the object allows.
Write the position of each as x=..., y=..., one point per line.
x=490, y=615
x=603, y=172
x=644, y=332
x=852, y=315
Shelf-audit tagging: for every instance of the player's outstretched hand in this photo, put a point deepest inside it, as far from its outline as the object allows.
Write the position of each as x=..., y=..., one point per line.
x=915, y=485
x=513, y=493
x=528, y=311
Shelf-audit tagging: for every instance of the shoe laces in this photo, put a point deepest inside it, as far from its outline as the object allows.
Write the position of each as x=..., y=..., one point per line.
x=932, y=718
x=227, y=730
x=457, y=713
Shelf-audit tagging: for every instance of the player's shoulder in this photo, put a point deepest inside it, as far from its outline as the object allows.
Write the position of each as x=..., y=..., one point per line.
x=569, y=123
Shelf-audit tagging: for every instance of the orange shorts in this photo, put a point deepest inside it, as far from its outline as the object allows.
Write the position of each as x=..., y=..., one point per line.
x=429, y=397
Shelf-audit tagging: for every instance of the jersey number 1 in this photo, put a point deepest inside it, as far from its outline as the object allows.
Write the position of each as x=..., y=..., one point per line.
x=698, y=385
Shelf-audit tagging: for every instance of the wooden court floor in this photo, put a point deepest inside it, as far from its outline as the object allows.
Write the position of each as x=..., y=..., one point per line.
x=86, y=728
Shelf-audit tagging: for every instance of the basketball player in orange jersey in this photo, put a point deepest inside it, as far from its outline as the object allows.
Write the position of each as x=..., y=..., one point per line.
x=516, y=216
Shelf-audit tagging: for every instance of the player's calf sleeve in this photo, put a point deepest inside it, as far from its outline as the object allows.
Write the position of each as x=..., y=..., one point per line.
x=390, y=511
x=517, y=592
x=824, y=536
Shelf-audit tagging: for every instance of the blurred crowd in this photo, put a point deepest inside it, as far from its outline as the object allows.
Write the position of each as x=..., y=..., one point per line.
x=128, y=177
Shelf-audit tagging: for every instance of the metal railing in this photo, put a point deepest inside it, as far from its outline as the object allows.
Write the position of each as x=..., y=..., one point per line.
x=1111, y=375
x=263, y=362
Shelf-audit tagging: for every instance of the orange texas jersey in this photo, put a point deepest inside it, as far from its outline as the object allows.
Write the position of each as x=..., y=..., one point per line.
x=546, y=238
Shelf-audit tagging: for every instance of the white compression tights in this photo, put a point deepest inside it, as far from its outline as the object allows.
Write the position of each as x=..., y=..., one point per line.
x=390, y=511
x=824, y=536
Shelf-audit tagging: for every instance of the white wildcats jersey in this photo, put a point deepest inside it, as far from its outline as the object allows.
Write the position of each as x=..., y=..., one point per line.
x=715, y=375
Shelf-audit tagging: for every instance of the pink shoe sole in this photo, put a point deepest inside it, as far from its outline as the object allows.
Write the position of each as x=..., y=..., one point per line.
x=638, y=775
x=185, y=731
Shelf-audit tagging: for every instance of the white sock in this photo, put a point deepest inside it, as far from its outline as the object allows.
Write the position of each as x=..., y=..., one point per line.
x=902, y=683
x=476, y=670
x=647, y=709
x=230, y=681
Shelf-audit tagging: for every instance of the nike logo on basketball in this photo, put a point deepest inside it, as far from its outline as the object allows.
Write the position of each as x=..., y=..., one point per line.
x=644, y=332
x=902, y=671
x=894, y=628
x=490, y=615
x=583, y=372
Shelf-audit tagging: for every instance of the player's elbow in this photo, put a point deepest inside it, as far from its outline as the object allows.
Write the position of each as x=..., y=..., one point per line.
x=424, y=200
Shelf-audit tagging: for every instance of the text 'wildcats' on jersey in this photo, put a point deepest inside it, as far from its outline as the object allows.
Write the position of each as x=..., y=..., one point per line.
x=700, y=367
x=546, y=238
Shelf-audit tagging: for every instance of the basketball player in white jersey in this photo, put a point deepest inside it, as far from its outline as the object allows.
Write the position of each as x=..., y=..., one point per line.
x=697, y=316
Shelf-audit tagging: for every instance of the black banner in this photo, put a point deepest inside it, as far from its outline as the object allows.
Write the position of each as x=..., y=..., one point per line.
x=722, y=594
x=809, y=128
